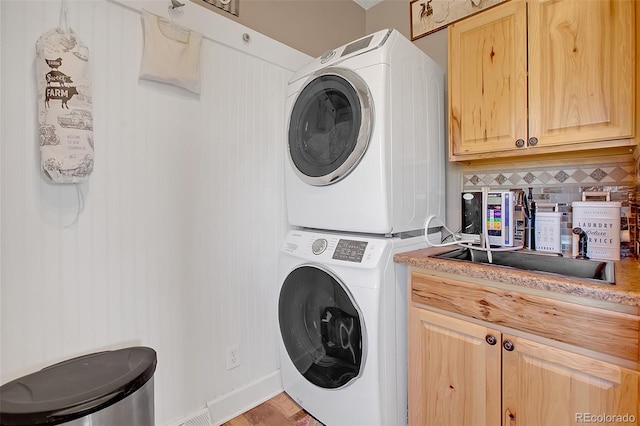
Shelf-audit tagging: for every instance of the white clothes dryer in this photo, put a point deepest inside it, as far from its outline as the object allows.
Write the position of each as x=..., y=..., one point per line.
x=366, y=148
x=342, y=314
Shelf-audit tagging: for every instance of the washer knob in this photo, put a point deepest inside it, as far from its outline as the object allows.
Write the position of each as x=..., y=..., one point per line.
x=319, y=246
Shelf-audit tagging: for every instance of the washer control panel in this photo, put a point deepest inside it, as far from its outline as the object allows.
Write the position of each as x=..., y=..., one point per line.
x=350, y=250
x=335, y=248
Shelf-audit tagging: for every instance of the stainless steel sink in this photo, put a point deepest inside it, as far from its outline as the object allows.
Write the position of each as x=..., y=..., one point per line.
x=600, y=270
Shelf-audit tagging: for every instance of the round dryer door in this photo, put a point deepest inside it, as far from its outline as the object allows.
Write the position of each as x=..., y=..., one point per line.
x=321, y=327
x=330, y=126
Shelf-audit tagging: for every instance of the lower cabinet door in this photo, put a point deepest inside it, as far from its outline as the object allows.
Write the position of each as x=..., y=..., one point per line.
x=454, y=371
x=543, y=385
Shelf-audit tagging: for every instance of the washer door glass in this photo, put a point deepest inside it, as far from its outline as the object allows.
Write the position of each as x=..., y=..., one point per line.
x=330, y=126
x=321, y=327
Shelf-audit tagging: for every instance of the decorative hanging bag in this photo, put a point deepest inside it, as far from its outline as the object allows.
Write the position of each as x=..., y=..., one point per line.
x=171, y=53
x=65, y=115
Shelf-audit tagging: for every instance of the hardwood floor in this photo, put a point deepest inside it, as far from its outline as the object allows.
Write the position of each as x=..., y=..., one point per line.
x=280, y=410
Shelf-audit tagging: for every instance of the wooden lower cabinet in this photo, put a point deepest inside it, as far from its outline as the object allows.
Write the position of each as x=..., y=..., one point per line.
x=463, y=373
x=454, y=375
x=543, y=385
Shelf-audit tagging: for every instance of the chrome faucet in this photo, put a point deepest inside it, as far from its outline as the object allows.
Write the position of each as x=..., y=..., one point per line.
x=582, y=243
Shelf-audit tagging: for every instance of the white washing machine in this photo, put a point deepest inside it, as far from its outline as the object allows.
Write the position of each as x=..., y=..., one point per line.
x=366, y=148
x=342, y=314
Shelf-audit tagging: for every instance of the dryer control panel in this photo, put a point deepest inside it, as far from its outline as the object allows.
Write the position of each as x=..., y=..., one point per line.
x=364, y=44
x=335, y=56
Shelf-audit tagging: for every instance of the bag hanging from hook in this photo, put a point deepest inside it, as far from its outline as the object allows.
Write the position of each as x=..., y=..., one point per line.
x=65, y=106
x=170, y=53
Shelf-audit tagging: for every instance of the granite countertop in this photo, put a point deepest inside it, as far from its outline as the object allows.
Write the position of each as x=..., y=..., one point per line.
x=625, y=291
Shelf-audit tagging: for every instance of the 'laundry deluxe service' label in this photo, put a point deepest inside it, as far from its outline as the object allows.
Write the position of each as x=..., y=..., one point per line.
x=601, y=222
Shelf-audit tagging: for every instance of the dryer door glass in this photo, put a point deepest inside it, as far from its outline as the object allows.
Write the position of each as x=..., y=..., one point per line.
x=321, y=327
x=330, y=126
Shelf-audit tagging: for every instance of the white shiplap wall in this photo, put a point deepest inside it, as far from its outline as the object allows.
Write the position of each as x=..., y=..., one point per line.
x=177, y=246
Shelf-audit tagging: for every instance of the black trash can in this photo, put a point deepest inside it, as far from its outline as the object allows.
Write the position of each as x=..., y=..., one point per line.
x=108, y=388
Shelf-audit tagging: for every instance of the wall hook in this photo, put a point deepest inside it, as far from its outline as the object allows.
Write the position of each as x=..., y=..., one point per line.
x=175, y=4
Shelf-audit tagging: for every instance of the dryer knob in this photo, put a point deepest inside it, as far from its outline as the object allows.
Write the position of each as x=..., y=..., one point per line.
x=327, y=55
x=319, y=246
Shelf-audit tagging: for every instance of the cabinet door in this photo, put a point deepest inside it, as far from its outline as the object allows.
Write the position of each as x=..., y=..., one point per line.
x=549, y=386
x=488, y=81
x=454, y=374
x=581, y=72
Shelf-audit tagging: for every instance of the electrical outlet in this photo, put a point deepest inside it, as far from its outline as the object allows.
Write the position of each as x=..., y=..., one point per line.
x=233, y=357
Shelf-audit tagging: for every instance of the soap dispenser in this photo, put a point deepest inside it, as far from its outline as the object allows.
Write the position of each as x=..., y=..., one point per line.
x=530, y=220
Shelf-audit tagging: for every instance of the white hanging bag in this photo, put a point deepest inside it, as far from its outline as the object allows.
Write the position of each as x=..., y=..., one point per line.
x=65, y=113
x=171, y=53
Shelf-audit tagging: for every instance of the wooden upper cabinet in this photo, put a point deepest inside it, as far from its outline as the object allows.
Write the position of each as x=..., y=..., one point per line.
x=488, y=80
x=581, y=70
x=560, y=80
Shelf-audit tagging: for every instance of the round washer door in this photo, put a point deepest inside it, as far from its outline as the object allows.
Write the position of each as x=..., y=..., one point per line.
x=330, y=126
x=321, y=327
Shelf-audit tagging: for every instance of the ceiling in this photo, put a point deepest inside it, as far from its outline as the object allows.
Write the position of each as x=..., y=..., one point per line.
x=366, y=4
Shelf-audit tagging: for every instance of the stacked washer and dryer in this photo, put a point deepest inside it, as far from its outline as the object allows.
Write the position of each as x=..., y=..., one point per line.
x=364, y=168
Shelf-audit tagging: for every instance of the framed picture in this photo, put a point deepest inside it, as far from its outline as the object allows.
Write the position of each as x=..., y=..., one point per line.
x=231, y=6
x=428, y=16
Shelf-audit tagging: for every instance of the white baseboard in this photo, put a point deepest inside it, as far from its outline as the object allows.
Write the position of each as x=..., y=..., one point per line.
x=201, y=418
x=228, y=406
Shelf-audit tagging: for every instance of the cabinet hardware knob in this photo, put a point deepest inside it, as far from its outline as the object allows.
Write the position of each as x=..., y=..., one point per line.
x=491, y=339
x=533, y=141
x=508, y=345
x=520, y=143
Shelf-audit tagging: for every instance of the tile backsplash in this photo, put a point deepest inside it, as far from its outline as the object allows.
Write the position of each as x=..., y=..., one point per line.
x=564, y=184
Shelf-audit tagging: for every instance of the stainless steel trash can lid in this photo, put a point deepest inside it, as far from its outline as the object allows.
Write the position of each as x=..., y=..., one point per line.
x=76, y=387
